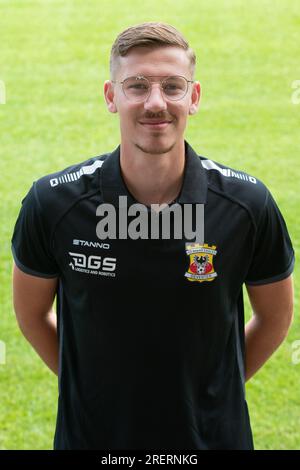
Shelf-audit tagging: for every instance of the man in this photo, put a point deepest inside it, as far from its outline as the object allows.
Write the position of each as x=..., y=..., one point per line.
x=150, y=346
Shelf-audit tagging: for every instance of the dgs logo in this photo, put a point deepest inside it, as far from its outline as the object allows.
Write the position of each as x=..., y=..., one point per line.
x=93, y=262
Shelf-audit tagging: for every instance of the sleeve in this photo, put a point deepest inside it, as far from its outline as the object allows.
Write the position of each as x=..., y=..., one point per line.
x=31, y=240
x=273, y=255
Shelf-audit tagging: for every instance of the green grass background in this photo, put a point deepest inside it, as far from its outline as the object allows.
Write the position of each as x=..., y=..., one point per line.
x=53, y=59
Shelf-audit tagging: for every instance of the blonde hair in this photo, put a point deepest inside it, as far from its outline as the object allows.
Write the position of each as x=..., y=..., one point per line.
x=150, y=35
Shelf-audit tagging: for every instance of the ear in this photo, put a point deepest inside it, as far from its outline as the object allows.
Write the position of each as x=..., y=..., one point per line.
x=109, y=95
x=195, y=98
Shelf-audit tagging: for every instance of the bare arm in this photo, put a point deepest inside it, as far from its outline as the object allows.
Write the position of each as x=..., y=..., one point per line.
x=272, y=306
x=33, y=299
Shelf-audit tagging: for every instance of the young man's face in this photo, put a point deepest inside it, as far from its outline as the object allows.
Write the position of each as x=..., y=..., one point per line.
x=156, y=124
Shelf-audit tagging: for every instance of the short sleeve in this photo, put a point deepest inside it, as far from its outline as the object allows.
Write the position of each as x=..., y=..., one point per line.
x=31, y=240
x=273, y=255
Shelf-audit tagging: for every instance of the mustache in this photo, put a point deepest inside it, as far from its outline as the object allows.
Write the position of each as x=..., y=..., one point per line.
x=163, y=116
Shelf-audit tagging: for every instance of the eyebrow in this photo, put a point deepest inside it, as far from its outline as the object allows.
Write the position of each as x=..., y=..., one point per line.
x=153, y=76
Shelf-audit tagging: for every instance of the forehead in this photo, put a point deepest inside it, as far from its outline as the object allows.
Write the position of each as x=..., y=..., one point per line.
x=155, y=62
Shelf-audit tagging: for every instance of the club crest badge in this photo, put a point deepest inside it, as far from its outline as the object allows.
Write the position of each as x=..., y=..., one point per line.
x=201, y=266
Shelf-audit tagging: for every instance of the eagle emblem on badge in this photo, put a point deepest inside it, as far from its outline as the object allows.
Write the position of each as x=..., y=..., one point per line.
x=201, y=266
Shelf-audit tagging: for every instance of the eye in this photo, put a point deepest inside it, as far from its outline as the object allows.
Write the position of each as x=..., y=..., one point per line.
x=171, y=86
x=138, y=86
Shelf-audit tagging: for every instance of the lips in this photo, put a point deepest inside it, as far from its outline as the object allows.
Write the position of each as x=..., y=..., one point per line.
x=155, y=124
x=155, y=121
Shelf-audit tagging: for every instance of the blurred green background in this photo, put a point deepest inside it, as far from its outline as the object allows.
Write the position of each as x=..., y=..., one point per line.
x=53, y=60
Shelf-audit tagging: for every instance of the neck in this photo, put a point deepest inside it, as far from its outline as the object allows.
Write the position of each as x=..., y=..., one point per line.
x=153, y=178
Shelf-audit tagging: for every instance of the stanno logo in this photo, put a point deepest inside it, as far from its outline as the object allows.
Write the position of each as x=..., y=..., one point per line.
x=93, y=264
x=105, y=246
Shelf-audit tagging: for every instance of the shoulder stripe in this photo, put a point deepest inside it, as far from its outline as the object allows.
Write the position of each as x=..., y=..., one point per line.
x=84, y=170
x=88, y=170
x=210, y=165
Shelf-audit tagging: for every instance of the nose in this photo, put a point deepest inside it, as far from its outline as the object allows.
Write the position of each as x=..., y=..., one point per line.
x=155, y=101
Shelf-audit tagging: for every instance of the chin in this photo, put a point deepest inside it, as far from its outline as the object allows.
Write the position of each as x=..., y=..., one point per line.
x=155, y=148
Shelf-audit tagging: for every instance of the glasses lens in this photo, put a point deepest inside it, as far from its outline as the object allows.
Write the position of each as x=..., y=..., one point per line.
x=175, y=88
x=136, y=88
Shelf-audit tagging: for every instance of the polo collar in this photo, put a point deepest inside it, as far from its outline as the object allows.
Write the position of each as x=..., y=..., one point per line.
x=194, y=188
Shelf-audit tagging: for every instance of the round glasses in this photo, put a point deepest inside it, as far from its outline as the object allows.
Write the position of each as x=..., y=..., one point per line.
x=139, y=88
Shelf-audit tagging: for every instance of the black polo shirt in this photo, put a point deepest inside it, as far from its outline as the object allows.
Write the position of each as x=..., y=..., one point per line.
x=151, y=332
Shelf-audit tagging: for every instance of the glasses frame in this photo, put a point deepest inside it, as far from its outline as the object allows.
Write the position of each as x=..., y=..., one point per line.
x=163, y=79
